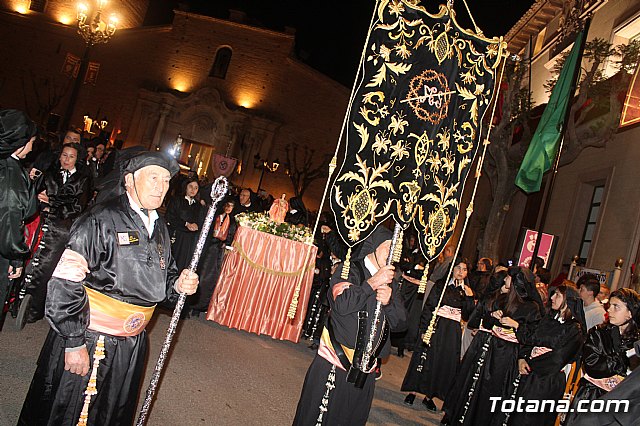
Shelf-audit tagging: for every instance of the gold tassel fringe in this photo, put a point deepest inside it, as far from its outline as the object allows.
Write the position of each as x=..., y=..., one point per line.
x=397, y=250
x=346, y=265
x=293, y=307
x=423, y=281
x=429, y=333
x=92, y=389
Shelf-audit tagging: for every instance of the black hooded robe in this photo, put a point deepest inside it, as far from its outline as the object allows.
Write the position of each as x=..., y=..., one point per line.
x=297, y=214
x=17, y=196
x=433, y=369
x=141, y=273
x=546, y=381
x=464, y=385
x=210, y=265
x=345, y=403
x=627, y=390
x=66, y=202
x=109, y=251
x=318, y=305
x=494, y=361
x=603, y=355
x=178, y=213
x=412, y=264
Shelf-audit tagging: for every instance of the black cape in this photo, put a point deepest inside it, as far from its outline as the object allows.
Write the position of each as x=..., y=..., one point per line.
x=438, y=363
x=346, y=403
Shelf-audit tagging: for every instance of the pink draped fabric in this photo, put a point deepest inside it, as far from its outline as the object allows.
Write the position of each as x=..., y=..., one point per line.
x=258, y=282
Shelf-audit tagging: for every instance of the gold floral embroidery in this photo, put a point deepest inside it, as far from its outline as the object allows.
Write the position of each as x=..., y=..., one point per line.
x=414, y=123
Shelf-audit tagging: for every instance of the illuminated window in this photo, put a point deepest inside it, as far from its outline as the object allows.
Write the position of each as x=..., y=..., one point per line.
x=37, y=5
x=196, y=156
x=590, y=225
x=540, y=41
x=625, y=33
x=221, y=64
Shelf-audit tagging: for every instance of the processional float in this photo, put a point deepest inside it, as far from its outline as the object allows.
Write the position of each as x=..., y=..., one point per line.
x=413, y=129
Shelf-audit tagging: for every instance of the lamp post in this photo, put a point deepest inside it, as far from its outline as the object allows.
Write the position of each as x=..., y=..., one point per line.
x=94, y=32
x=263, y=165
x=90, y=122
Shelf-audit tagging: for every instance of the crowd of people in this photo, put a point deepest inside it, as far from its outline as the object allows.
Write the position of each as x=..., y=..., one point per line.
x=87, y=225
x=502, y=333
x=100, y=294
x=67, y=172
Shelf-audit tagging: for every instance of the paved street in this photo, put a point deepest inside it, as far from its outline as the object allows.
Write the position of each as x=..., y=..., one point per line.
x=214, y=376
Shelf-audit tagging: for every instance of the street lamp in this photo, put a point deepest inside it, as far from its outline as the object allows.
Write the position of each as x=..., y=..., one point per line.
x=93, y=31
x=263, y=165
x=101, y=124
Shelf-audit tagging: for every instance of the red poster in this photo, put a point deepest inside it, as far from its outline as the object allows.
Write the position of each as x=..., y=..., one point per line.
x=529, y=244
x=223, y=165
x=92, y=73
x=71, y=65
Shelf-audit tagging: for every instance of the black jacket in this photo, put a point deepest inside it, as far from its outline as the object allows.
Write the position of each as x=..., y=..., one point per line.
x=123, y=262
x=17, y=203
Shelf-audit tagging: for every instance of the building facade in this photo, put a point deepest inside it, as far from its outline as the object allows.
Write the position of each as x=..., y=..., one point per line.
x=224, y=86
x=594, y=210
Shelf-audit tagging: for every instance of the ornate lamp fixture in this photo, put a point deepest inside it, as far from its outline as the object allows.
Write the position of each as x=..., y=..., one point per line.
x=89, y=122
x=259, y=163
x=273, y=166
x=97, y=31
x=93, y=31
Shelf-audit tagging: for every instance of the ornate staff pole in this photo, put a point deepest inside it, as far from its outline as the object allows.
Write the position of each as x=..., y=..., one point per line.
x=218, y=191
x=394, y=255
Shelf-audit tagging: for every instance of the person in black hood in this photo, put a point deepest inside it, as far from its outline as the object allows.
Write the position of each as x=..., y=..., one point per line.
x=463, y=385
x=493, y=371
x=63, y=195
x=17, y=196
x=184, y=218
x=608, y=354
x=547, y=349
x=297, y=214
x=116, y=268
x=338, y=362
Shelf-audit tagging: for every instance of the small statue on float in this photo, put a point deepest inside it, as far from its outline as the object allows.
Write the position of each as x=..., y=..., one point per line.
x=279, y=209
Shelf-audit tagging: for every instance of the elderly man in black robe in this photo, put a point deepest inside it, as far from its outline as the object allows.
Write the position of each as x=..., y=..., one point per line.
x=116, y=268
x=338, y=389
x=17, y=197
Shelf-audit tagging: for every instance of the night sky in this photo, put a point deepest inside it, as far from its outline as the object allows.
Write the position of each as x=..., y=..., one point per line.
x=330, y=34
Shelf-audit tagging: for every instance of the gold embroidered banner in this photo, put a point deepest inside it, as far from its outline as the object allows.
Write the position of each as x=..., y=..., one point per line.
x=414, y=123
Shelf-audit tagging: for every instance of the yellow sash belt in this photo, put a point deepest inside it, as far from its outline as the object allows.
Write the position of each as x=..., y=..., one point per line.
x=114, y=317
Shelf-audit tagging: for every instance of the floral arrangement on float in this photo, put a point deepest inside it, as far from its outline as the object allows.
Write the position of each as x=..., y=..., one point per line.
x=273, y=223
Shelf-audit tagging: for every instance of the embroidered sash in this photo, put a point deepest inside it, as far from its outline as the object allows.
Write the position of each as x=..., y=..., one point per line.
x=114, y=317
x=448, y=312
x=504, y=333
x=606, y=383
x=539, y=350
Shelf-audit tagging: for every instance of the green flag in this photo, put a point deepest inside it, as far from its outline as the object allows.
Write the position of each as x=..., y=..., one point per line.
x=544, y=144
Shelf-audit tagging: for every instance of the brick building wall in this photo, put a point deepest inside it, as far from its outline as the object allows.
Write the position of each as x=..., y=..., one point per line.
x=130, y=13
x=263, y=82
